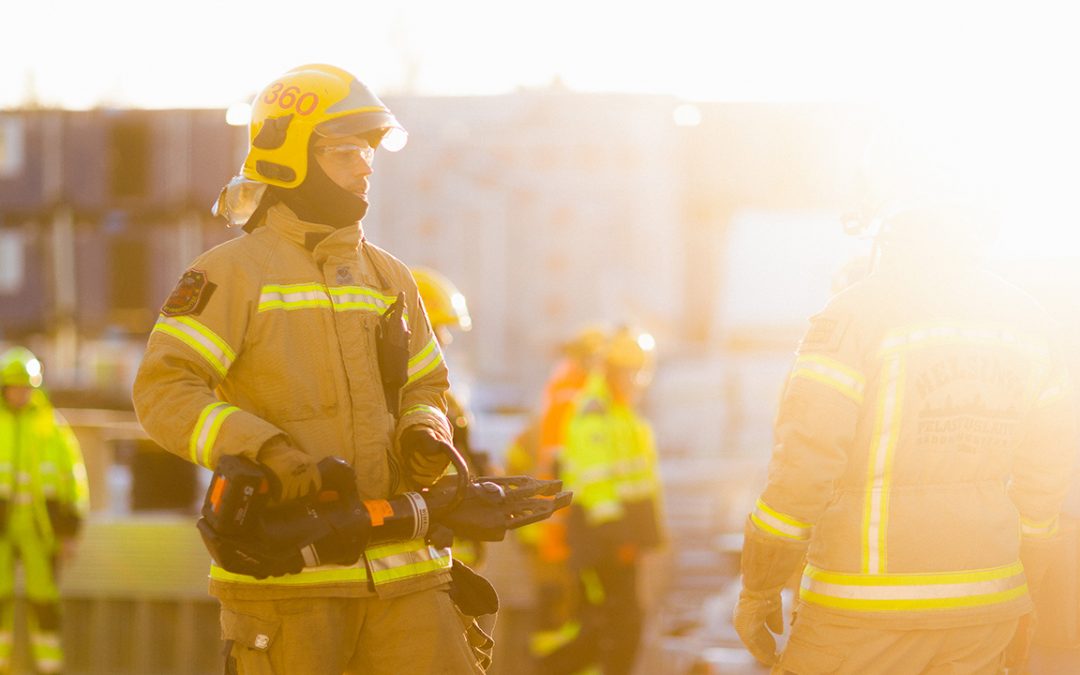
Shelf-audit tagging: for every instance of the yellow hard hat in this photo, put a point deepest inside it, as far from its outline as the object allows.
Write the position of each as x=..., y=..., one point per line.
x=630, y=349
x=20, y=368
x=315, y=98
x=445, y=305
x=587, y=343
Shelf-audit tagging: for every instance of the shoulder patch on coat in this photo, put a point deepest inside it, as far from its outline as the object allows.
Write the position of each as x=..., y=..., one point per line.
x=825, y=333
x=191, y=294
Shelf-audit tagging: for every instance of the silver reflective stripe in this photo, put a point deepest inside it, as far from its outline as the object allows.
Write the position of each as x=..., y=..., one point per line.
x=887, y=431
x=900, y=592
x=831, y=373
x=779, y=524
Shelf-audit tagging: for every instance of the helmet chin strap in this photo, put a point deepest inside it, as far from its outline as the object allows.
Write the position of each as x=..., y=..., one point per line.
x=320, y=200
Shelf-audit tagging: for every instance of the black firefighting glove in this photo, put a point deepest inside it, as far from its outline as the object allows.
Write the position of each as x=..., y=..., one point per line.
x=424, y=455
x=296, y=472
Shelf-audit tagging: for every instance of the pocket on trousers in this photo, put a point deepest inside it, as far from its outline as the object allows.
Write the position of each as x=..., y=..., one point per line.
x=250, y=638
x=806, y=658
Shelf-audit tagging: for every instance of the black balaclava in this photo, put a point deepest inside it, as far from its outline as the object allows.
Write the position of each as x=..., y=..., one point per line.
x=320, y=200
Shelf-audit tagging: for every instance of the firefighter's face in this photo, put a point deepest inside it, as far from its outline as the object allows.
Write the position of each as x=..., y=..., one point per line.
x=346, y=160
x=17, y=397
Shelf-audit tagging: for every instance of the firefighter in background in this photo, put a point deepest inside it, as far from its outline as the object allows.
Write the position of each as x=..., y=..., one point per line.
x=446, y=310
x=609, y=460
x=43, y=501
x=535, y=451
x=302, y=340
x=923, y=446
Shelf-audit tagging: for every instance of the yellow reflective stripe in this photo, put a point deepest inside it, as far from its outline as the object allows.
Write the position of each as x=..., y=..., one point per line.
x=423, y=408
x=900, y=592
x=779, y=524
x=392, y=562
x=203, y=436
x=879, y=466
x=360, y=297
x=425, y=362
x=325, y=574
x=831, y=373
x=1039, y=529
x=290, y=297
x=293, y=296
x=916, y=338
x=200, y=338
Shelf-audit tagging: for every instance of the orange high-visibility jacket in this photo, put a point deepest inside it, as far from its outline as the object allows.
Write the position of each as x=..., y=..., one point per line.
x=923, y=428
x=274, y=332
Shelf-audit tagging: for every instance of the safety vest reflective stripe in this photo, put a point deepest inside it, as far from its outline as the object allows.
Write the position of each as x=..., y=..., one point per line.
x=47, y=652
x=902, y=592
x=413, y=558
x=293, y=296
x=1039, y=529
x=290, y=297
x=203, y=436
x=879, y=479
x=779, y=524
x=200, y=338
x=425, y=361
x=359, y=297
x=831, y=373
x=324, y=574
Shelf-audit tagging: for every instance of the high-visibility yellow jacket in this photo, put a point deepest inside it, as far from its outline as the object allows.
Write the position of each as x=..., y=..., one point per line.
x=923, y=428
x=41, y=467
x=609, y=461
x=275, y=332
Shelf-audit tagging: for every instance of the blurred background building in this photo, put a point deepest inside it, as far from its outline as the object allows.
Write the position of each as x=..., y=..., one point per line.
x=716, y=227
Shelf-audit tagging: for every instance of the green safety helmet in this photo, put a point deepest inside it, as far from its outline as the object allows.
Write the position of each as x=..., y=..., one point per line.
x=20, y=368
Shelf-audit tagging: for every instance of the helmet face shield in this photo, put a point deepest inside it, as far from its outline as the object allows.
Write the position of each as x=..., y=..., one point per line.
x=307, y=100
x=390, y=135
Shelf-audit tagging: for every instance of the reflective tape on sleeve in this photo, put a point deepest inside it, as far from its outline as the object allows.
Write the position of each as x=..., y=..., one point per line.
x=425, y=361
x=831, y=373
x=779, y=524
x=200, y=338
x=205, y=433
x=1039, y=529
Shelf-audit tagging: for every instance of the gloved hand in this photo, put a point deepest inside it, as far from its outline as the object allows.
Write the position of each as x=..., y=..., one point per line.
x=296, y=472
x=756, y=614
x=425, y=456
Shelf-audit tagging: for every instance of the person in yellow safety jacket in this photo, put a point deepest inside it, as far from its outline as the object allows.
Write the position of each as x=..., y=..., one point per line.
x=536, y=451
x=923, y=445
x=43, y=502
x=447, y=309
x=610, y=462
x=287, y=345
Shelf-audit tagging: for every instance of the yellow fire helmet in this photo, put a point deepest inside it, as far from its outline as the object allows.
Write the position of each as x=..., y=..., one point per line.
x=444, y=302
x=20, y=368
x=311, y=99
x=630, y=349
x=586, y=343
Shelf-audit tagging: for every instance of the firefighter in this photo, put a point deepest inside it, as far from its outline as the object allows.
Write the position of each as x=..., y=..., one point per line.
x=923, y=446
x=300, y=340
x=447, y=310
x=43, y=501
x=535, y=451
x=609, y=461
